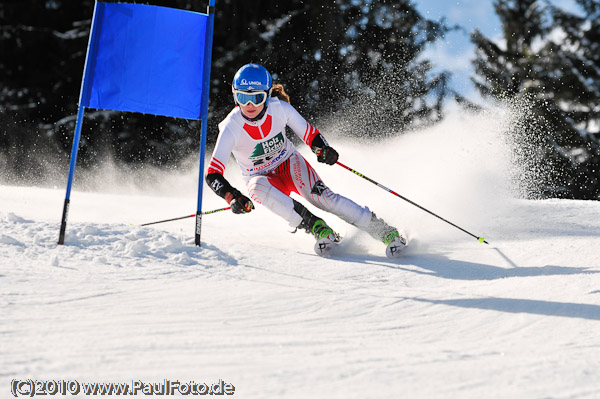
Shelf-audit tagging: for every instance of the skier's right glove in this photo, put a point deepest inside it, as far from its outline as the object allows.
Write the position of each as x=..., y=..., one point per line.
x=241, y=204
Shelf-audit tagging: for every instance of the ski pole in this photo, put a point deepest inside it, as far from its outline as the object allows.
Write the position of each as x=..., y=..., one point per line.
x=189, y=216
x=480, y=239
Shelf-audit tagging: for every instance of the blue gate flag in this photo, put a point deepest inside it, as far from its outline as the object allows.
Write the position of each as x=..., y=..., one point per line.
x=146, y=59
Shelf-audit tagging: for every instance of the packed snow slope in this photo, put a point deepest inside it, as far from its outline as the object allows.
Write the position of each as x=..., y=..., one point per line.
x=255, y=307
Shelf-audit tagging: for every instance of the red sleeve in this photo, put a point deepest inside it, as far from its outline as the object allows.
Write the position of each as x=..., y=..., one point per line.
x=215, y=166
x=310, y=133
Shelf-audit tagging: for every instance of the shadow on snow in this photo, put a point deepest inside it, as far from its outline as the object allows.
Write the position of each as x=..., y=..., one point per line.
x=444, y=267
x=510, y=305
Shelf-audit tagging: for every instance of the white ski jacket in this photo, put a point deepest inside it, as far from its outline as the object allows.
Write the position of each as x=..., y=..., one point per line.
x=259, y=147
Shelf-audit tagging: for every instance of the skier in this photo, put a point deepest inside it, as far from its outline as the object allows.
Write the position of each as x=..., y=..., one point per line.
x=254, y=132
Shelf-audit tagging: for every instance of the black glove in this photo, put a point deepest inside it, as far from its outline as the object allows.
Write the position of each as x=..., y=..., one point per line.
x=327, y=155
x=238, y=202
x=241, y=204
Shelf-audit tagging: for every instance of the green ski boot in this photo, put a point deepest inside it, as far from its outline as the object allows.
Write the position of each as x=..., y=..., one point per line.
x=326, y=237
x=394, y=241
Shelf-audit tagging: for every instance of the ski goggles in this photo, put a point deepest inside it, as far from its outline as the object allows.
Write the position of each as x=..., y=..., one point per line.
x=245, y=97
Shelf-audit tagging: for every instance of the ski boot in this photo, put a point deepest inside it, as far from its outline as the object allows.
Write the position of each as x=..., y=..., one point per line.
x=394, y=241
x=326, y=237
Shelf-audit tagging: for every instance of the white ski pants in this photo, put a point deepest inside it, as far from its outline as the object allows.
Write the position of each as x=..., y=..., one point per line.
x=296, y=175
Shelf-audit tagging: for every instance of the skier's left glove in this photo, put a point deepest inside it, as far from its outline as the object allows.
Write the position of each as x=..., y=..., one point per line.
x=327, y=155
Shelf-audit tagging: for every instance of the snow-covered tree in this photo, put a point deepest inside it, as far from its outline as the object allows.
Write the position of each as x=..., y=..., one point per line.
x=548, y=59
x=342, y=56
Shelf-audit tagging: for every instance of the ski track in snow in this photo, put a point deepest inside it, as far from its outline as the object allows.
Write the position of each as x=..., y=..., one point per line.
x=256, y=307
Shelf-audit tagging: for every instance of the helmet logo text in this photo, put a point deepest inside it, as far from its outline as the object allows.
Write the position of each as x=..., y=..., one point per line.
x=253, y=82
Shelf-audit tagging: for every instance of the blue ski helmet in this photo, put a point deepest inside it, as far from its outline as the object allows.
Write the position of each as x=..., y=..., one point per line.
x=253, y=77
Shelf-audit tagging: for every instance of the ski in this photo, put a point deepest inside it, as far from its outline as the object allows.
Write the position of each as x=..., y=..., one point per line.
x=396, y=247
x=324, y=246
